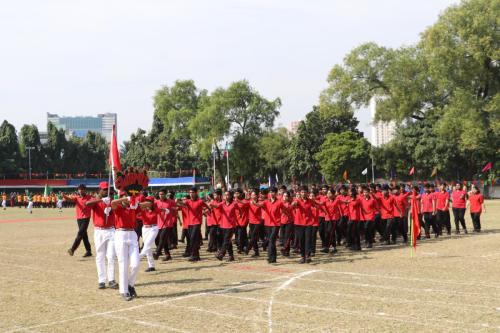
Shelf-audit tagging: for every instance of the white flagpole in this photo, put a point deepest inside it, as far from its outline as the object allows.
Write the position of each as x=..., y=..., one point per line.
x=213, y=154
x=227, y=159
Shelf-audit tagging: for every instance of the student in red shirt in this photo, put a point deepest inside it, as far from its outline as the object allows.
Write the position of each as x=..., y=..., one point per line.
x=344, y=211
x=228, y=222
x=254, y=217
x=149, y=216
x=400, y=221
x=332, y=216
x=213, y=220
x=242, y=217
x=476, y=202
x=166, y=217
x=387, y=205
x=82, y=219
x=104, y=235
x=376, y=192
x=443, y=208
x=286, y=223
x=126, y=245
x=353, y=225
x=369, y=208
x=428, y=200
x=303, y=226
x=272, y=210
x=321, y=198
x=458, y=205
x=185, y=228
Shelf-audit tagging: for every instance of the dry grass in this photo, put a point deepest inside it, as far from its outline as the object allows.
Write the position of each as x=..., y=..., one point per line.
x=451, y=284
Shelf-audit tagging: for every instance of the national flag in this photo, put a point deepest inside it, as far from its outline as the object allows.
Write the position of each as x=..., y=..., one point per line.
x=277, y=180
x=345, y=175
x=364, y=172
x=226, y=151
x=487, y=167
x=412, y=171
x=114, y=156
x=47, y=190
x=434, y=172
x=415, y=223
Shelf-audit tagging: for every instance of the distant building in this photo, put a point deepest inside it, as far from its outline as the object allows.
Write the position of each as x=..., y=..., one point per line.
x=293, y=127
x=382, y=131
x=80, y=126
x=44, y=137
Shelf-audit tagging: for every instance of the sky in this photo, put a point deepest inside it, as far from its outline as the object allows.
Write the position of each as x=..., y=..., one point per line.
x=84, y=57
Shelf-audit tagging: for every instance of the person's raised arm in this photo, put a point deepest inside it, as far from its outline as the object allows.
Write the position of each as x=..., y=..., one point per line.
x=96, y=200
x=118, y=202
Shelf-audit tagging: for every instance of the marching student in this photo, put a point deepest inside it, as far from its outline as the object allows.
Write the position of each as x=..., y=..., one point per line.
x=315, y=225
x=228, y=222
x=332, y=217
x=126, y=245
x=188, y=252
x=400, y=208
x=242, y=219
x=254, y=218
x=353, y=225
x=458, y=205
x=82, y=219
x=344, y=218
x=272, y=210
x=165, y=220
x=303, y=225
x=29, y=208
x=4, y=201
x=429, y=211
x=213, y=221
x=149, y=216
x=321, y=198
x=376, y=192
x=477, y=206
x=369, y=207
x=104, y=236
x=286, y=223
x=388, y=206
x=443, y=208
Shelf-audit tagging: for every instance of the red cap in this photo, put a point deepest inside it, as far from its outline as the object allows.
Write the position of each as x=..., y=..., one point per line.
x=103, y=185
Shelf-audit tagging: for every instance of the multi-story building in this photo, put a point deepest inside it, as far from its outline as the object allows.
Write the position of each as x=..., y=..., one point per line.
x=293, y=127
x=382, y=131
x=79, y=126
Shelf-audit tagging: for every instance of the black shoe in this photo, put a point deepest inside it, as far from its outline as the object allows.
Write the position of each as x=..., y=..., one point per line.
x=219, y=257
x=313, y=254
x=370, y=245
x=150, y=269
x=186, y=255
x=126, y=297
x=231, y=258
x=334, y=250
x=465, y=231
x=102, y=285
x=167, y=258
x=324, y=250
x=302, y=261
x=193, y=259
x=457, y=231
x=155, y=256
x=112, y=284
x=71, y=252
x=132, y=292
x=271, y=261
x=308, y=260
x=255, y=255
x=87, y=254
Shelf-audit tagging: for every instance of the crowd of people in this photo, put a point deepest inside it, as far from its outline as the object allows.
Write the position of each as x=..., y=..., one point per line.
x=129, y=227
x=33, y=200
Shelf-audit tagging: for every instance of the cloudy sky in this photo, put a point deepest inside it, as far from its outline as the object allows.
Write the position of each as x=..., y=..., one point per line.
x=83, y=57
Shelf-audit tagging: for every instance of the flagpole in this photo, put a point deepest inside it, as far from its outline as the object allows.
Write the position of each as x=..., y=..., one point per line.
x=227, y=160
x=373, y=171
x=213, y=154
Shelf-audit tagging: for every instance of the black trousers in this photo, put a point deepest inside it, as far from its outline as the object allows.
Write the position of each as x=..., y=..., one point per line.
x=369, y=231
x=195, y=239
x=379, y=227
x=329, y=238
x=390, y=229
x=402, y=226
x=287, y=231
x=272, y=236
x=303, y=234
x=214, y=239
x=459, y=216
x=254, y=238
x=322, y=230
x=353, y=234
x=443, y=218
x=83, y=224
x=138, y=229
x=164, y=240
x=241, y=238
x=314, y=238
x=476, y=221
x=175, y=236
x=430, y=220
x=341, y=229
x=227, y=244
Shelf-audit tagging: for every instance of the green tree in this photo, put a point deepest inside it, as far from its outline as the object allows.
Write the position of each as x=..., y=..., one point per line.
x=30, y=137
x=343, y=151
x=9, y=149
x=273, y=152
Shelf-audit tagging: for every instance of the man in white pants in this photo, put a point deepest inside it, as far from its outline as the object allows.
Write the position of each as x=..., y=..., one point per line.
x=104, y=235
x=149, y=233
x=30, y=204
x=126, y=244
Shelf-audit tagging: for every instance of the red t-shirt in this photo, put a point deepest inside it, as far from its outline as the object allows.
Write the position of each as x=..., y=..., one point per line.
x=417, y=199
x=99, y=218
x=185, y=217
x=304, y=208
x=165, y=220
x=315, y=214
x=354, y=209
x=149, y=217
x=229, y=215
x=286, y=214
x=369, y=209
x=195, y=211
x=211, y=218
x=82, y=211
x=458, y=198
x=427, y=199
x=254, y=214
x=344, y=209
x=476, y=201
x=377, y=195
x=442, y=200
x=242, y=213
x=125, y=217
x=401, y=202
x=387, y=207
x=333, y=209
x=272, y=212
x=321, y=198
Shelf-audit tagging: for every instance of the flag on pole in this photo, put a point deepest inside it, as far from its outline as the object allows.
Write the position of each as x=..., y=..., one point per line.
x=47, y=190
x=277, y=180
x=412, y=171
x=364, y=172
x=345, y=175
x=487, y=167
x=434, y=172
x=415, y=222
x=114, y=156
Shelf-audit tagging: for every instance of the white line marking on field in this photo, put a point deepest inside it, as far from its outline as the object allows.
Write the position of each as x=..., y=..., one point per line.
x=147, y=323
x=146, y=304
x=282, y=286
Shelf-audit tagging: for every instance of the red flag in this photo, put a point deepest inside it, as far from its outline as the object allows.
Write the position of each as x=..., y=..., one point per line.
x=114, y=155
x=487, y=167
x=415, y=224
x=412, y=171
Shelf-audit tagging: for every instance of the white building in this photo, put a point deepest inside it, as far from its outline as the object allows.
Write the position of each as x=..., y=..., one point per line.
x=293, y=127
x=79, y=126
x=382, y=132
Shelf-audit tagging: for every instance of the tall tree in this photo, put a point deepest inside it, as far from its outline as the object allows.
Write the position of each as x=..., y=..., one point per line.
x=9, y=148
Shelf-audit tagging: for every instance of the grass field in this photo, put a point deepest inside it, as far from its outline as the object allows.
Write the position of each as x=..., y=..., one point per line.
x=451, y=284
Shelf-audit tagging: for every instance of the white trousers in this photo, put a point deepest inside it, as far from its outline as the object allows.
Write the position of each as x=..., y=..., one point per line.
x=127, y=251
x=148, y=238
x=104, y=242
x=59, y=204
x=4, y=204
x=30, y=206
